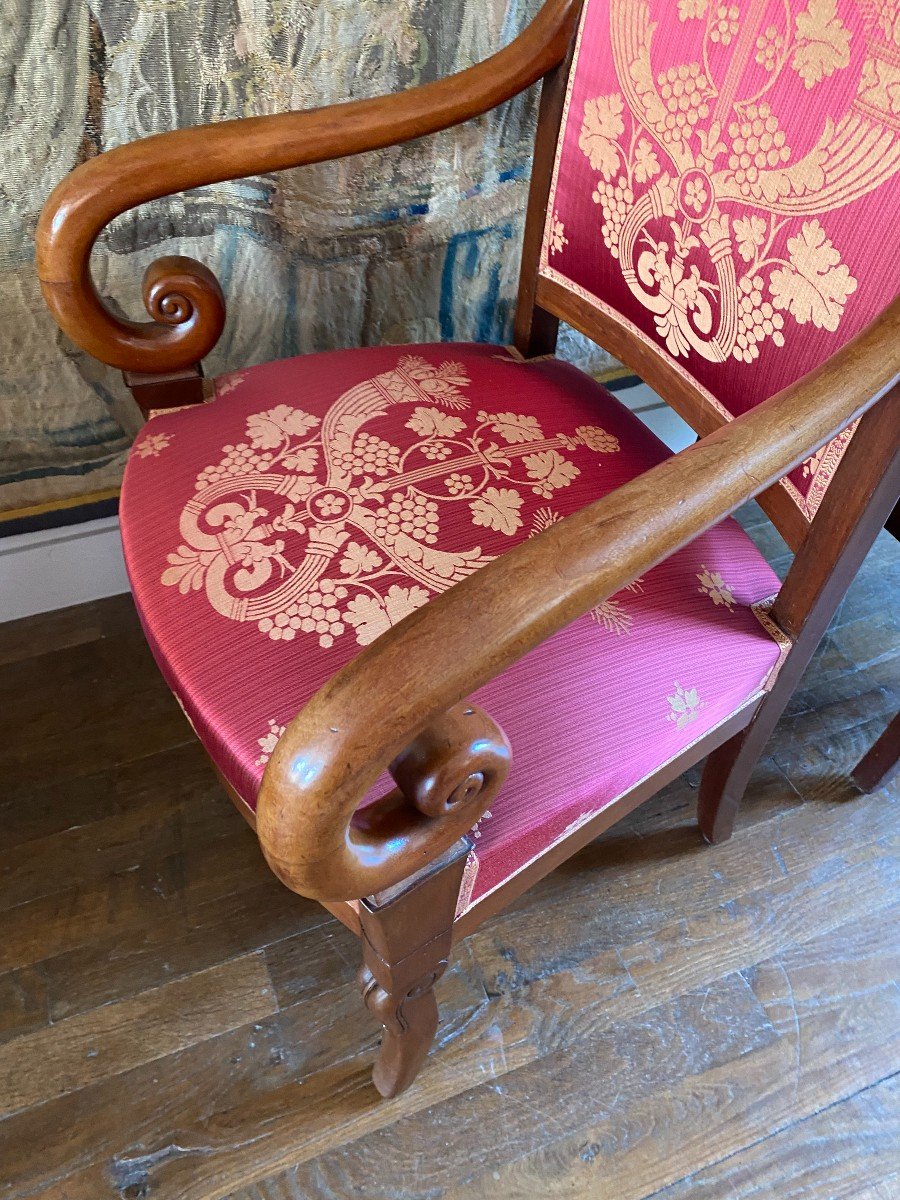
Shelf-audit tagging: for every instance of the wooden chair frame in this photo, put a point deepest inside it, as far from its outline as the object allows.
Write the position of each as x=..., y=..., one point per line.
x=401, y=703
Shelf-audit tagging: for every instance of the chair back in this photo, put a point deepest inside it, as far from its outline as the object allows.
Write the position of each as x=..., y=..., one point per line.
x=725, y=194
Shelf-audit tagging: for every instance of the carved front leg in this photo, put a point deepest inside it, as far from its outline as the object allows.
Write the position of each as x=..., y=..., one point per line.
x=406, y=938
x=409, y=1021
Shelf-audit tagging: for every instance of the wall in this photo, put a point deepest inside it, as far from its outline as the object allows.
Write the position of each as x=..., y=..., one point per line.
x=413, y=243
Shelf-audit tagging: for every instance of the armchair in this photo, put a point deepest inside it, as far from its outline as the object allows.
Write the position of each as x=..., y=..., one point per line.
x=440, y=615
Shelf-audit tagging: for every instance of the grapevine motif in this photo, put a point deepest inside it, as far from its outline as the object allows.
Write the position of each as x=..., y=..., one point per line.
x=317, y=527
x=699, y=190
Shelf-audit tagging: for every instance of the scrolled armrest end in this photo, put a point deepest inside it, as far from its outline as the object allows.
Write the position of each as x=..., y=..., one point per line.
x=182, y=296
x=321, y=844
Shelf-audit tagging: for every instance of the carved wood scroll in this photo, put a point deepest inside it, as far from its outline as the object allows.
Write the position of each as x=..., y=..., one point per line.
x=317, y=840
x=402, y=700
x=182, y=296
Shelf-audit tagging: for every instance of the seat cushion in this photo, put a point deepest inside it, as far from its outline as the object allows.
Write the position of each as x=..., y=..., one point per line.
x=273, y=532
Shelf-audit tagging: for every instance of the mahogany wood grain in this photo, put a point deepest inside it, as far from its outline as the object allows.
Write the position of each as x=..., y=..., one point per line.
x=181, y=295
x=879, y=766
x=536, y=328
x=859, y=498
x=346, y=913
x=171, y=390
x=447, y=774
x=401, y=705
x=865, y=482
x=538, y=868
x=662, y=373
x=333, y=752
x=406, y=937
x=536, y=1002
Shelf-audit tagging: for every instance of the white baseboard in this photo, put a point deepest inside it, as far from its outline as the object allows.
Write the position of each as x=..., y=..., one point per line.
x=54, y=568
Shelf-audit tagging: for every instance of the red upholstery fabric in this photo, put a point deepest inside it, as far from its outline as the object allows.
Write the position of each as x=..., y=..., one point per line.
x=316, y=501
x=727, y=180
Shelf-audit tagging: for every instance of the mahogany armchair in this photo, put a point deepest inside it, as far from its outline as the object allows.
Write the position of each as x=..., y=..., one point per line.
x=440, y=615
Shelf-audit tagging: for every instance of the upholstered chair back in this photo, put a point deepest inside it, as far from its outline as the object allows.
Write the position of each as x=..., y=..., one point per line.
x=726, y=182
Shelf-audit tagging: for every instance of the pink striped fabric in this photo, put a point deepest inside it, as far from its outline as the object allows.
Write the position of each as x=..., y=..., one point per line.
x=271, y=534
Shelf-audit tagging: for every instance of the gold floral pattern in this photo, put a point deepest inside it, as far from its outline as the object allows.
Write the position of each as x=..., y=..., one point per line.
x=713, y=585
x=228, y=383
x=151, y=445
x=734, y=153
x=269, y=741
x=769, y=48
x=725, y=23
x=822, y=42
x=476, y=830
x=613, y=614
x=316, y=526
x=762, y=610
x=674, y=156
x=558, y=237
x=684, y=705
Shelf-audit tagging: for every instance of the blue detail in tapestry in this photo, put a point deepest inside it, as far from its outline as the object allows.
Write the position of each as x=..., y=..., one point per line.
x=487, y=314
x=88, y=433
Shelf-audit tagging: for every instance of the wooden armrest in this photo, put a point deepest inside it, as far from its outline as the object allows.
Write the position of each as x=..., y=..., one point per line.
x=183, y=297
x=398, y=704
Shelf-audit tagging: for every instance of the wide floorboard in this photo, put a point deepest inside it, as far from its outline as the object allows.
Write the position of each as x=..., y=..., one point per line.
x=656, y=1019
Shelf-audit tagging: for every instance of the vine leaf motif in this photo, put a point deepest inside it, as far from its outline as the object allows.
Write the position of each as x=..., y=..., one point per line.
x=431, y=422
x=684, y=705
x=372, y=616
x=359, y=560
x=750, y=234
x=497, y=508
x=646, y=164
x=823, y=42
x=302, y=461
x=688, y=9
x=313, y=526
x=549, y=471
x=515, y=428
x=266, y=430
x=816, y=285
x=601, y=127
x=713, y=584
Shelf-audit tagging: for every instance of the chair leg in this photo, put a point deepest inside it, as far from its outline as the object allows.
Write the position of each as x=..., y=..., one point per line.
x=882, y=762
x=406, y=937
x=837, y=542
x=728, y=769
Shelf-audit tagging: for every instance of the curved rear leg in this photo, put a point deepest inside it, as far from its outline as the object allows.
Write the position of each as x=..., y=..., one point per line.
x=859, y=500
x=881, y=764
x=728, y=769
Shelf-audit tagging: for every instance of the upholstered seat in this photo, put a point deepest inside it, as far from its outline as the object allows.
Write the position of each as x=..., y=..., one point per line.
x=316, y=501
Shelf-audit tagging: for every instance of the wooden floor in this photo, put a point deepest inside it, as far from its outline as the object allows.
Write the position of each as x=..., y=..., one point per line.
x=657, y=1018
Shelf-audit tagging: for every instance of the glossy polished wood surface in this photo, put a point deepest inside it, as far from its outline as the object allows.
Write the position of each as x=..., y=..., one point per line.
x=401, y=706
x=447, y=775
x=853, y=511
x=182, y=296
x=372, y=709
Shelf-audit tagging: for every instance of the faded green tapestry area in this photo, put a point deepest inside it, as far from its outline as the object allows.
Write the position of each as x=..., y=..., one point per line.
x=418, y=242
